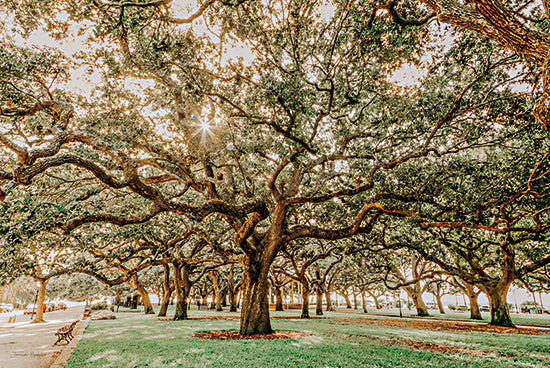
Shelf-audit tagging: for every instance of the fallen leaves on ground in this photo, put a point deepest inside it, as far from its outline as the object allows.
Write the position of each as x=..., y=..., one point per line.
x=440, y=325
x=441, y=348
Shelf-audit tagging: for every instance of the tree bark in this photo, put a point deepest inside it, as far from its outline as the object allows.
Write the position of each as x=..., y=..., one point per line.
x=233, y=300
x=214, y=290
x=418, y=302
x=118, y=299
x=346, y=298
x=305, y=301
x=474, y=306
x=218, y=293
x=318, y=302
x=255, y=303
x=421, y=309
x=223, y=298
x=329, y=301
x=354, y=300
x=232, y=291
x=204, y=297
x=364, y=302
x=134, y=302
x=40, y=302
x=277, y=290
x=167, y=291
x=219, y=301
x=164, y=305
x=291, y=294
x=535, y=302
x=182, y=286
x=147, y=305
x=373, y=296
x=500, y=315
x=440, y=304
x=213, y=301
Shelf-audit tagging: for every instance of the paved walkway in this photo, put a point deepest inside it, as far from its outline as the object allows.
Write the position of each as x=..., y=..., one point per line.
x=26, y=345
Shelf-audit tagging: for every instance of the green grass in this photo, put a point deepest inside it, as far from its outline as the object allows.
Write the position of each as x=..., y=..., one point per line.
x=136, y=340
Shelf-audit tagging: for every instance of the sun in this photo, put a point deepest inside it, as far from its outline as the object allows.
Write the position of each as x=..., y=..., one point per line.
x=205, y=127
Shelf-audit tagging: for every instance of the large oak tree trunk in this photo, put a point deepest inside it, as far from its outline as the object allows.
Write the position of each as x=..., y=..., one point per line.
x=418, y=302
x=204, y=298
x=346, y=298
x=40, y=302
x=421, y=309
x=305, y=301
x=437, y=295
x=134, y=301
x=232, y=291
x=166, y=292
x=318, y=302
x=224, y=298
x=213, y=301
x=118, y=298
x=147, y=305
x=218, y=295
x=214, y=290
x=277, y=290
x=440, y=304
x=364, y=301
x=376, y=302
x=219, y=301
x=500, y=315
x=234, y=303
x=233, y=300
x=164, y=304
x=255, y=303
x=181, y=283
x=475, y=313
x=472, y=295
x=329, y=301
x=181, y=310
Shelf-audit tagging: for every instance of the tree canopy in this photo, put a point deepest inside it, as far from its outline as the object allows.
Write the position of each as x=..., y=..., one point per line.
x=246, y=129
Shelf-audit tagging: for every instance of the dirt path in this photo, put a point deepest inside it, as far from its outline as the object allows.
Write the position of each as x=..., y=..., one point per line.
x=26, y=345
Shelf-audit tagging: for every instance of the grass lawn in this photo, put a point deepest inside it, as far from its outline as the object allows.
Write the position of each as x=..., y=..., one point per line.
x=136, y=340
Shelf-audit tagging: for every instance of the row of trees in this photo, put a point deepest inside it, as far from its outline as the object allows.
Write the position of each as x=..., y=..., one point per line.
x=185, y=155
x=330, y=273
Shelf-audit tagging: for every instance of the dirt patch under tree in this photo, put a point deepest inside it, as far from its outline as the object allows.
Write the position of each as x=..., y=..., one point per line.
x=236, y=335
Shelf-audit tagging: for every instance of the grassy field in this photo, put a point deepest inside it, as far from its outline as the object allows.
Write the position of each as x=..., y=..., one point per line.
x=136, y=340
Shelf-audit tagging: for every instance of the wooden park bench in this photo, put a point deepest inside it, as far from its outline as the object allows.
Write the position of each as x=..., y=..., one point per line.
x=65, y=333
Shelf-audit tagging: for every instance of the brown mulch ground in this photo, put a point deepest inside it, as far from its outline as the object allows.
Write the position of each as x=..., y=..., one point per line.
x=233, y=318
x=441, y=348
x=440, y=325
x=235, y=335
